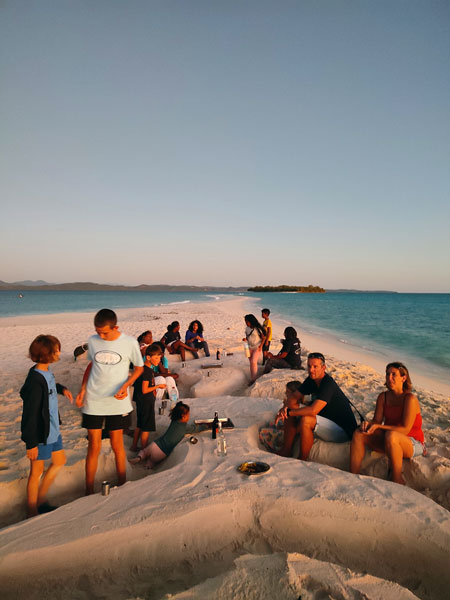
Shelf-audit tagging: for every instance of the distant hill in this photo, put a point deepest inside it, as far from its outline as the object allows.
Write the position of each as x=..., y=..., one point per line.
x=88, y=286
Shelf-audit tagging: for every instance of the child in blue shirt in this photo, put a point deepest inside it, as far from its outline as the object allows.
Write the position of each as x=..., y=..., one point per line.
x=40, y=422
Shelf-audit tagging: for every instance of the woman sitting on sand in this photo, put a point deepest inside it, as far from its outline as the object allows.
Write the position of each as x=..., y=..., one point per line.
x=161, y=448
x=172, y=341
x=396, y=429
x=289, y=356
x=194, y=337
x=255, y=337
x=272, y=435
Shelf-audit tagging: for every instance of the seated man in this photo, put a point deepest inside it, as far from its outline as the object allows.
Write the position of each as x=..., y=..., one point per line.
x=328, y=416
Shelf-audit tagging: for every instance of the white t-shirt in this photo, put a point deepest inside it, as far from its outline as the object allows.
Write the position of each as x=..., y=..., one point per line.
x=110, y=368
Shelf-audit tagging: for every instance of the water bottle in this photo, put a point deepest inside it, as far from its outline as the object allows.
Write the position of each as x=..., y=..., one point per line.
x=246, y=350
x=215, y=425
x=173, y=397
x=221, y=442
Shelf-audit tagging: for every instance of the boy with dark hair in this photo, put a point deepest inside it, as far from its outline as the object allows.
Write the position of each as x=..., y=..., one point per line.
x=104, y=394
x=40, y=422
x=144, y=396
x=267, y=324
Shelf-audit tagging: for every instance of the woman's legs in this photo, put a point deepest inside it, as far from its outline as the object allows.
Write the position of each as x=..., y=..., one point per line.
x=397, y=446
x=205, y=347
x=181, y=348
x=254, y=355
x=360, y=442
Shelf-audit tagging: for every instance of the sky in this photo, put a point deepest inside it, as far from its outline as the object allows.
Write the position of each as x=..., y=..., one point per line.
x=226, y=142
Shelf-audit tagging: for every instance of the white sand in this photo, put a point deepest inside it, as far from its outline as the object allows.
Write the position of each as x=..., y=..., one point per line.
x=196, y=528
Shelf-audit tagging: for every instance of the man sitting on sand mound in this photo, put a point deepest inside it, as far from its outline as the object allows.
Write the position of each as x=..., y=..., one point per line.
x=328, y=416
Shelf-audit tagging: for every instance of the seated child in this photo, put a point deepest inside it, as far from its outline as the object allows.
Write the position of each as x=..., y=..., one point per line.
x=272, y=434
x=40, y=422
x=145, y=340
x=163, y=375
x=164, y=445
x=145, y=389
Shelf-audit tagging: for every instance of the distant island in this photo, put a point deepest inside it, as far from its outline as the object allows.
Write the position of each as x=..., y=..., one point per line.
x=300, y=289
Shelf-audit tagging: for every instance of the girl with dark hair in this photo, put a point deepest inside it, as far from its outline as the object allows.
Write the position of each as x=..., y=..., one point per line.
x=396, y=428
x=172, y=341
x=272, y=434
x=164, y=445
x=194, y=337
x=255, y=336
x=289, y=356
x=145, y=340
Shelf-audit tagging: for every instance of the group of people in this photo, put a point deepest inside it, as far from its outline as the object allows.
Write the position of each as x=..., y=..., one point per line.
x=105, y=403
x=258, y=337
x=395, y=430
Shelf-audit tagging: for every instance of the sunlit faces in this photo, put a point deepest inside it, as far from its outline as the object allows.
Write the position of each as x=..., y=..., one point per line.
x=153, y=359
x=194, y=327
x=394, y=379
x=316, y=368
x=107, y=332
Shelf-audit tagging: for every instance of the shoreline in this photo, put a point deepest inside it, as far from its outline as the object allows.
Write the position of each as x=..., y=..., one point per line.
x=323, y=341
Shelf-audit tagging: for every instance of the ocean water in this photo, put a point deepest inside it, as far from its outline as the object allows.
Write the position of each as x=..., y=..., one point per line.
x=414, y=327
x=36, y=302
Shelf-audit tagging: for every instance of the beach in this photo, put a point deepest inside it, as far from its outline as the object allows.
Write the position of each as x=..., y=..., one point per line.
x=195, y=527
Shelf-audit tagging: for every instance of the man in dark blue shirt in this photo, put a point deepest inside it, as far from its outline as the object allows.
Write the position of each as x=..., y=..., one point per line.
x=328, y=416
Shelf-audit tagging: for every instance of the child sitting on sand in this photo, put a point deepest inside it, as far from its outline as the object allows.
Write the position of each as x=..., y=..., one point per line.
x=163, y=446
x=272, y=434
x=40, y=422
x=145, y=389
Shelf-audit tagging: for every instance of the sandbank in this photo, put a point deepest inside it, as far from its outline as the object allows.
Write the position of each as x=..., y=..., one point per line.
x=195, y=527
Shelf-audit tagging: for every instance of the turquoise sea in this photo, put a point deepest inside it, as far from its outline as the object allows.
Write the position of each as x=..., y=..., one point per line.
x=414, y=327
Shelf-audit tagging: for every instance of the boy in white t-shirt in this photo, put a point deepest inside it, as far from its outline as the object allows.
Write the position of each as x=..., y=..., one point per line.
x=104, y=394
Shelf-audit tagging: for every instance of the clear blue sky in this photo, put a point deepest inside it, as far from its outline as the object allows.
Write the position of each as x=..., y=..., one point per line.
x=226, y=142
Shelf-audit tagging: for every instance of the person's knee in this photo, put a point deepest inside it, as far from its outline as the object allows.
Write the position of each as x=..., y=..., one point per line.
x=358, y=437
x=307, y=422
x=59, y=461
x=391, y=439
x=94, y=446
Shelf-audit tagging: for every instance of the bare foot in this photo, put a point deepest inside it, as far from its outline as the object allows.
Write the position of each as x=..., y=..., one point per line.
x=134, y=461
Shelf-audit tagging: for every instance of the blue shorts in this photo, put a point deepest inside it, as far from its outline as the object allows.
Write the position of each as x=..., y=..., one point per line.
x=329, y=431
x=45, y=450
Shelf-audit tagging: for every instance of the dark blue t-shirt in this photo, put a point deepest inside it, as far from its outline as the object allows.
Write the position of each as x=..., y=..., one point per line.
x=337, y=408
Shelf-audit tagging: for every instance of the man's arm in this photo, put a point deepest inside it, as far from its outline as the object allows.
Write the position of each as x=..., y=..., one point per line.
x=311, y=410
x=80, y=398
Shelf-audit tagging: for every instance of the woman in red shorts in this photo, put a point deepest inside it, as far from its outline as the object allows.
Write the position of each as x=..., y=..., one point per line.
x=396, y=429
